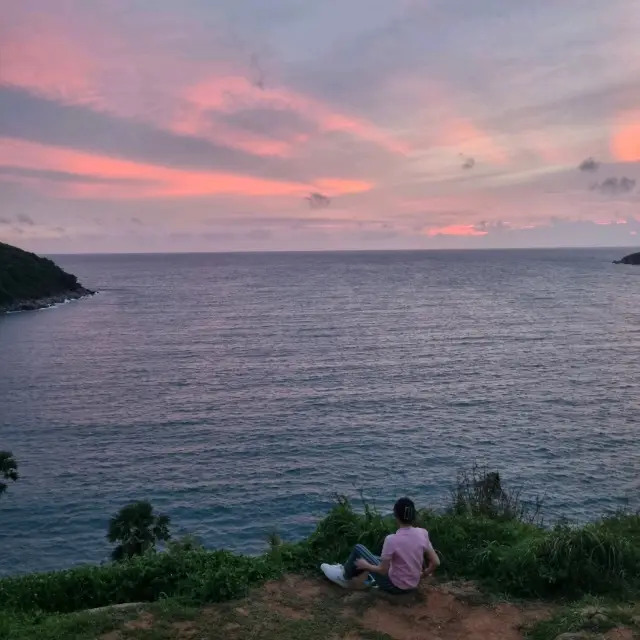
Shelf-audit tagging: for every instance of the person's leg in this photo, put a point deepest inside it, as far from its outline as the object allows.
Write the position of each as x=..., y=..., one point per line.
x=356, y=576
x=384, y=584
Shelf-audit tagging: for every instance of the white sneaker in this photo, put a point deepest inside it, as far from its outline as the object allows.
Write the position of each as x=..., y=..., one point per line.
x=335, y=573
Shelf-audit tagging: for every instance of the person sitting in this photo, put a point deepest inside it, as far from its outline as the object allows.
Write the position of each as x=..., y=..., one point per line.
x=401, y=564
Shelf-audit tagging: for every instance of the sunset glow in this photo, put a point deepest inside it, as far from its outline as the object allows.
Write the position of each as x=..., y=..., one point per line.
x=330, y=130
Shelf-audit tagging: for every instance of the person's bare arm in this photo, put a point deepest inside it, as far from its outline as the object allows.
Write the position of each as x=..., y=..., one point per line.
x=433, y=561
x=381, y=569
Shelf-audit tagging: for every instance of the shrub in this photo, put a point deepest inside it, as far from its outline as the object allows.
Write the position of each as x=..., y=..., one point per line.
x=572, y=561
x=200, y=576
x=480, y=492
x=510, y=555
x=8, y=469
x=137, y=529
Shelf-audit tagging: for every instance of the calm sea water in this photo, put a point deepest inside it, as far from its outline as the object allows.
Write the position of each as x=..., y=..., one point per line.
x=239, y=392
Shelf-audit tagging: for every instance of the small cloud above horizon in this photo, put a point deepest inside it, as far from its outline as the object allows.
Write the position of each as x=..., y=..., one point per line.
x=318, y=201
x=590, y=165
x=615, y=186
x=469, y=163
x=23, y=218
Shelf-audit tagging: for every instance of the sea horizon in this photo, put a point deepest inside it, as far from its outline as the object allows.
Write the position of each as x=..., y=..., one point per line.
x=354, y=250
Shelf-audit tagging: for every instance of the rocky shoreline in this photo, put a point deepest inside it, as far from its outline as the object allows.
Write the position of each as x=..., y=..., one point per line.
x=45, y=303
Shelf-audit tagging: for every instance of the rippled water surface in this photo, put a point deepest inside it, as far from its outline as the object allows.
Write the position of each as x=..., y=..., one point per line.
x=238, y=392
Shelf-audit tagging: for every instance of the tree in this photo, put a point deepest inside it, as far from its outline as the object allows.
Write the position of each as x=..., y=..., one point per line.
x=8, y=469
x=138, y=529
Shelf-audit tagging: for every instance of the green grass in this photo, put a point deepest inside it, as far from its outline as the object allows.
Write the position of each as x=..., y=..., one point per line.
x=502, y=547
x=509, y=556
x=200, y=576
x=602, y=558
x=591, y=615
x=258, y=616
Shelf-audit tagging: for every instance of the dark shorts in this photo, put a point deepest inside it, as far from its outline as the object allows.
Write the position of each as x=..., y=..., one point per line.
x=382, y=582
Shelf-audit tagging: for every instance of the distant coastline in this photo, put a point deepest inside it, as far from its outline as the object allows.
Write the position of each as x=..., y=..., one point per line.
x=29, y=282
x=632, y=258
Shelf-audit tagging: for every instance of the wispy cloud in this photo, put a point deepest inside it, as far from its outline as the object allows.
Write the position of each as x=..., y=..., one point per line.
x=23, y=218
x=411, y=122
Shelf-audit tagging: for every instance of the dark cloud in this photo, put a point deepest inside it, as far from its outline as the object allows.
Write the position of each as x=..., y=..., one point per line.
x=272, y=122
x=590, y=164
x=29, y=117
x=469, y=163
x=615, y=186
x=137, y=221
x=318, y=200
x=24, y=219
x=5, y=221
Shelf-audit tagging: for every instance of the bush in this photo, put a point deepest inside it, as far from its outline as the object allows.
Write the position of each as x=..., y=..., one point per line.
x=138, y=529
x=480, y=492
x=200, y=576
x=8, y=469
x=505, y=553
x=573, y=561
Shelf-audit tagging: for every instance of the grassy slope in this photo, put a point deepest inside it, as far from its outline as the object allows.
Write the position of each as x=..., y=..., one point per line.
x=26, y=276
x=506, y=556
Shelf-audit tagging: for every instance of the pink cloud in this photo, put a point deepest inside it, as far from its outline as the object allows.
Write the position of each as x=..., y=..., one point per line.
x=144, y=180
x=455, y=230
x=38, y=54
x=228, y=93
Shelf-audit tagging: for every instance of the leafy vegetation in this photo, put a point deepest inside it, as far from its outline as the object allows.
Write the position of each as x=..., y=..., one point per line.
x=480, y=493
x=25, y=276
x=485, y=535
x=508, y=556
x=8, y=469
x=589, y=615
x=138, y=529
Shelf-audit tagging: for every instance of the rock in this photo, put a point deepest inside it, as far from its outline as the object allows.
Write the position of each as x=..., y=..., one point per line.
x=632, y=258
x=462, y=590
x=117, y=607
x=595, y=615
x=29, y=282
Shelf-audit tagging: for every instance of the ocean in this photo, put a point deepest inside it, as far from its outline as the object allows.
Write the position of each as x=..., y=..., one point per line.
x=240, y=392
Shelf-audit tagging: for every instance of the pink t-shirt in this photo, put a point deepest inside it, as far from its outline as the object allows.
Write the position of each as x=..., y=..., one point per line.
x=405, y=549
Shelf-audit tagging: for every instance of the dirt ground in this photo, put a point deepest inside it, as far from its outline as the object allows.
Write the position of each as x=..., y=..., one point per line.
x=299, y=608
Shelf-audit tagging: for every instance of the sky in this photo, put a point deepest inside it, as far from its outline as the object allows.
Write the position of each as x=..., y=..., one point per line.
x=233, y=125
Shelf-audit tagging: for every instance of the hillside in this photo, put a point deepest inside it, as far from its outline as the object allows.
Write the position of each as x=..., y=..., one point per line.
x=504, y=576
x=28, y=281
x=632, y=258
